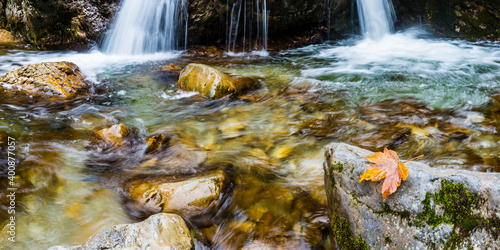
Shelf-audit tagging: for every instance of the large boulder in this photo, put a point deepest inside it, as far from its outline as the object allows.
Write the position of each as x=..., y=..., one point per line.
x=188, y=197
x=433, y=209
x=210, y=82
x=53, y=80
x=160, y=231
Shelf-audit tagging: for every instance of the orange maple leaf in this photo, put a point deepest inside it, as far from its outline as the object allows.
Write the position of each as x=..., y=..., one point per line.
x=386, y=165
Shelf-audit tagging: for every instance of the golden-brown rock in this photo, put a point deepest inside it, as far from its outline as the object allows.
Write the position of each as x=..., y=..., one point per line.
x=210, y=82
x=187, y=197
x=6, y=37
x=55, y=80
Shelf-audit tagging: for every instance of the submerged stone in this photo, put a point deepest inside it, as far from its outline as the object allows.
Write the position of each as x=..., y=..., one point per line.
x=187, y=197
x=53, y=80
x=440, y=208
x=209, y=82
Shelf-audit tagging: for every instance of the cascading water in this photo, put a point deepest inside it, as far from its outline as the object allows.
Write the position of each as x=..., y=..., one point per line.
x=147, y=26
x=376, y=17
x=252, y=14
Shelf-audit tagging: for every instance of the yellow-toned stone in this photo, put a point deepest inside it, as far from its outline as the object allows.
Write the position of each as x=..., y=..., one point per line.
x=208, y=81
x=55, y=80
x=231, y=128
x=283, y=151
x=187, y=197
x=255, y=212
x=73, y=210
x=6, y=37
x=113, y=135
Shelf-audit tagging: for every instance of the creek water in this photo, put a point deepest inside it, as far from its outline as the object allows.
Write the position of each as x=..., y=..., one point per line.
x=438, y=92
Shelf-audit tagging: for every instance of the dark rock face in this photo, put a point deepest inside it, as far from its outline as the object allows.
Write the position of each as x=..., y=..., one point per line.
x=75, y=23
x=57, y=23
x=433, y=208
x=456, y=18
x=291, y=22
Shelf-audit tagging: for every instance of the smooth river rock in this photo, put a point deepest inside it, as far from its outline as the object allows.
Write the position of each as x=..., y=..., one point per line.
x=53, y=80
x=434, y=208
x=160, y=231
x=187, y=197
x=210, y=82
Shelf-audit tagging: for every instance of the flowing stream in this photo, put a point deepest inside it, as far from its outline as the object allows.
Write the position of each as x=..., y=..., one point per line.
x=437, y=91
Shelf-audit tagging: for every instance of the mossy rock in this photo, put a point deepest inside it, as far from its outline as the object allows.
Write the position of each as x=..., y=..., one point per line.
x=432, y=209
x=210, y=82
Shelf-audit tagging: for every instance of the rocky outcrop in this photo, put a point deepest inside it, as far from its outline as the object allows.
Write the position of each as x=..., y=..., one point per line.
x=160, y=231
x=53, y=80
x=433, y=209
x=456, y=18
x=58, y=24
x=210, y=82
x=288, y=19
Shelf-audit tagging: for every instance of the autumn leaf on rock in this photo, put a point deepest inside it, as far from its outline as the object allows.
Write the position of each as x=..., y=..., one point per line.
x=386, y=165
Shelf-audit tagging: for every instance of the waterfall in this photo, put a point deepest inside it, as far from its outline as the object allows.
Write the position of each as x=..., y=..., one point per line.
x=252, y=14
x=147, y=26
x=376, y=17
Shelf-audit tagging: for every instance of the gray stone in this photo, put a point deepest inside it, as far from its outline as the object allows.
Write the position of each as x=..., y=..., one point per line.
x=160, y=231
x=400, y=222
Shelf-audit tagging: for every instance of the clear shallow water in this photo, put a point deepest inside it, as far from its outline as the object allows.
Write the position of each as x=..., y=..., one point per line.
x=273, y=137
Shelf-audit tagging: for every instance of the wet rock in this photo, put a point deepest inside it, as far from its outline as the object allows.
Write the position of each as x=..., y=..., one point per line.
x=115, y=148
x=204, y=51
x=209, y=81
x=331, y=124
x=171, y=71
x=442, y=208
x=187, y=197
x=157, y=142
x=399, y=111
x=6, y=37
x=380, y=137
x=112, y=136
x=53, y=80
x=160, y=231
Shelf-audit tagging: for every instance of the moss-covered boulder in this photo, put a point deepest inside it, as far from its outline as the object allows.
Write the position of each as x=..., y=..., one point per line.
x=433, y=208
x=52, y=80
x=210, y=82
x=186, y=196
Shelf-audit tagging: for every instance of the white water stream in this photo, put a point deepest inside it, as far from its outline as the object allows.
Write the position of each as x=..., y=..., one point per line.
x=147, y=26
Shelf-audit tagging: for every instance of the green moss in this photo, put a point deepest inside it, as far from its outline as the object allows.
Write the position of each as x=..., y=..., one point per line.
x=339, y=166
x=343, y=235
x=330, y=175
x=457, y=205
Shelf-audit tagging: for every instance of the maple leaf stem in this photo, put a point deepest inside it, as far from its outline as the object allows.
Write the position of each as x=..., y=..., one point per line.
x=414, y=158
